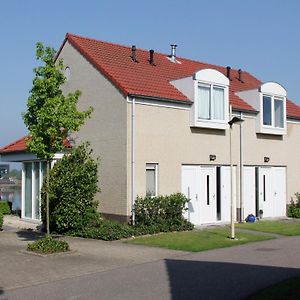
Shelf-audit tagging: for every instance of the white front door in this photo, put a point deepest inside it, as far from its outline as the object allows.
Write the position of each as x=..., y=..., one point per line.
x=272, y=191
x=190, y=188
x=279, y=190
x=226, y=192
x=249, y=198
x=208, y=198
x=199, y=186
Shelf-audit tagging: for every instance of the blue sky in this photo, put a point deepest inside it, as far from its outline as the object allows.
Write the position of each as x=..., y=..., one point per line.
x=262, y=37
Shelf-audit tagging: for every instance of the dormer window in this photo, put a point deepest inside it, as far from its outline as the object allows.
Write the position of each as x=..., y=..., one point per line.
x=270, y=102
x=273, y=111
x=211, y=102
x=208, y=89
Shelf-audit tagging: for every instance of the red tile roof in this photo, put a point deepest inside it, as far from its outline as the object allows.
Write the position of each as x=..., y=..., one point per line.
x=16, y=146
x=20, y=146
x=143, y=79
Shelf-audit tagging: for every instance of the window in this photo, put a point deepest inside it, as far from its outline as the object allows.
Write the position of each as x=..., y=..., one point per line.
x=273, y=111
x=67, y=74
x=211, y=102
x=151, y=179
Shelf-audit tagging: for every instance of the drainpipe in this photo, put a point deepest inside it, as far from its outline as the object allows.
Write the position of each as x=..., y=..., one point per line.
x=23, y=192
x=133, y=159
x=241, y=171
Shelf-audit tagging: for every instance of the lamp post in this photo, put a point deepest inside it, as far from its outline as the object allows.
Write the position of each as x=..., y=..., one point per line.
x=233, y=120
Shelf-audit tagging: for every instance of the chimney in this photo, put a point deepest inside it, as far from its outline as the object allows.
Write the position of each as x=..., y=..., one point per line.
x=228, y=72
x=151, y=59
x=173, y=52
x=133, y=53
x=240, y=75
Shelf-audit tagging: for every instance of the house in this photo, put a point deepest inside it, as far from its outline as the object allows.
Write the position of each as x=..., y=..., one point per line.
x=160, y=125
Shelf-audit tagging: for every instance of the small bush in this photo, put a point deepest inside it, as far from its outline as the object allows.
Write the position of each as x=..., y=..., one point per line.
x=5, y=207
x=1, y=219
x=294, y=207
x=48, y=245
x=166, y=210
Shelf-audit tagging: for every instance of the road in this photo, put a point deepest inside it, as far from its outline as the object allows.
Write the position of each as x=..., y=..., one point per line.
x=229, y=273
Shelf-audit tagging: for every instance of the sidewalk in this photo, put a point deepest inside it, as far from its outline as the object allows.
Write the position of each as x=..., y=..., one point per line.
x=87, y=256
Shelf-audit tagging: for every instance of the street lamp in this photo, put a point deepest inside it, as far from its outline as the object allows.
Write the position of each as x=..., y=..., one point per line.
x=234, y=120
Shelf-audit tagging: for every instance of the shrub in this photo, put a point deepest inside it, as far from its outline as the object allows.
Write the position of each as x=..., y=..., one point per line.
x=5, y=207
x=1, y=219
x=294, y=207
x=73, y=185
x=106, y=230
x=48, y=245
x=165, y=210
x=153, y=215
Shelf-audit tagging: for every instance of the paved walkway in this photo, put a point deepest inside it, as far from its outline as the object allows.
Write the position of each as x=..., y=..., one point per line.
x=114, y=270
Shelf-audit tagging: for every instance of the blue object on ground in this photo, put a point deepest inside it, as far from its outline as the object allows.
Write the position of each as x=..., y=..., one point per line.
x=251, y=218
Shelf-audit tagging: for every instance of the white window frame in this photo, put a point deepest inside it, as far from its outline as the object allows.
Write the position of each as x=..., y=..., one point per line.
x=211, y=78
x=33, y=193
x=153, y=166
x=274, y=91
x=273, y=98
x=211, y=107
x=272, y=129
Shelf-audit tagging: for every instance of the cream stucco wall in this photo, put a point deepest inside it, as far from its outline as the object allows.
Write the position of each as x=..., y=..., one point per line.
x=106, y=129
x=164, y=136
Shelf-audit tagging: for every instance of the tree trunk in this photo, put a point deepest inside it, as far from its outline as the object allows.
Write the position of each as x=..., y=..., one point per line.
x=47, y=197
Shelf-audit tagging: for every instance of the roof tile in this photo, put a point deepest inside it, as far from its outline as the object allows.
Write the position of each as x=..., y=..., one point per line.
x=142, y=78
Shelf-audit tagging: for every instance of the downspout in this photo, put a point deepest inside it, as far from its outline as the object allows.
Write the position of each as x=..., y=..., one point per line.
x=241, y=170
x=133, y=159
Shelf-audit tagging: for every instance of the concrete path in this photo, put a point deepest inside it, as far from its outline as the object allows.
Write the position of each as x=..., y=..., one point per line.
x=113, y=270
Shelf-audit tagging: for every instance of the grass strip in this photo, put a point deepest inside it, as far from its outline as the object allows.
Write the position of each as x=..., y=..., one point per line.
x=198, y=240
x=289, y=227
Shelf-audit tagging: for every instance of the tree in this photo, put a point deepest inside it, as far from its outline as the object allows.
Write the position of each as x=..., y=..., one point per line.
x=73, y=185
x=50, y=115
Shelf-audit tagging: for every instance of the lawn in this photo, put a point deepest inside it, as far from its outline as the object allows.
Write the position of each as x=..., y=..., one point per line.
x=197, y=240
x=287, y=290
x=284, y=227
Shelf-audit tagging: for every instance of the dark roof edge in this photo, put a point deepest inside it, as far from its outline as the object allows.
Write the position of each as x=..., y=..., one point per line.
x=184, y=102
x=296, y=118
x=13, y=151
x=252, y=111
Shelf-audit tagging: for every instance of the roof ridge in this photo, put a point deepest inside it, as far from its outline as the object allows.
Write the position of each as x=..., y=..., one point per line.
x=146, y=50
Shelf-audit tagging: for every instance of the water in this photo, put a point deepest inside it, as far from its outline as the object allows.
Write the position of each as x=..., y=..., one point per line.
x=12, y=194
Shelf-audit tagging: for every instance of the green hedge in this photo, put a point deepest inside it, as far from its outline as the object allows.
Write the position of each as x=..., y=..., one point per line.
x=160, y=210
x=5, y=207
x=108, y=230
x=153, y=215
x=294, y=207
x=1, y=219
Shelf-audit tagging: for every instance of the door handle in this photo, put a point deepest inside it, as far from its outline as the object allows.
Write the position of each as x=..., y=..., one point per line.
x=196, y=197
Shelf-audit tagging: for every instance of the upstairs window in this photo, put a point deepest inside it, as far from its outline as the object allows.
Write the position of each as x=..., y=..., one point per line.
x=211, y=102
x=273, y=111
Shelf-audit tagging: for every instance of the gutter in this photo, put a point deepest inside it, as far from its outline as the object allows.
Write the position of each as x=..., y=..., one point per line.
x=188, y=102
